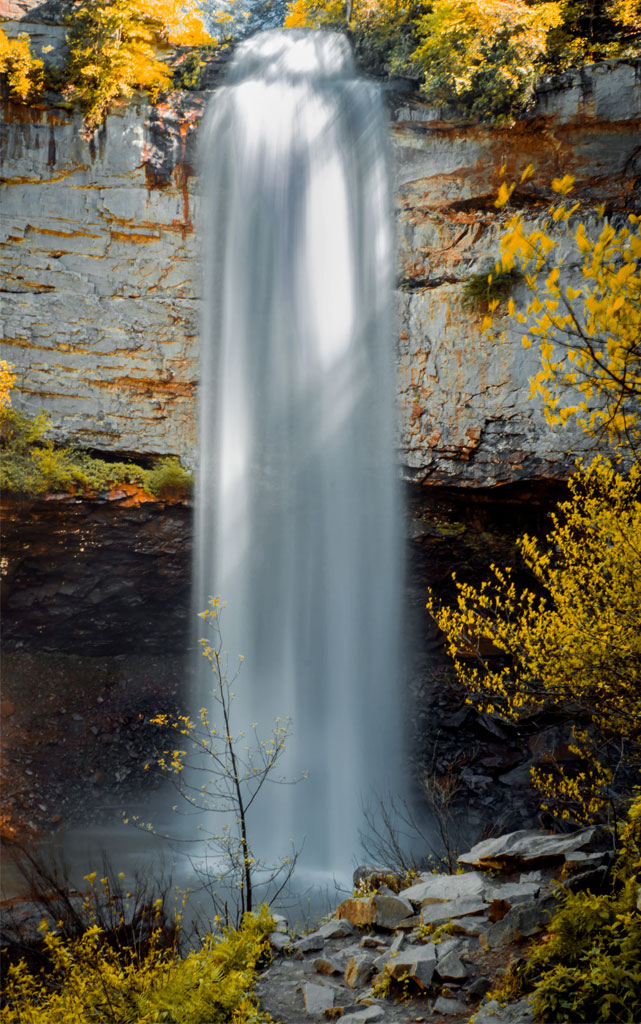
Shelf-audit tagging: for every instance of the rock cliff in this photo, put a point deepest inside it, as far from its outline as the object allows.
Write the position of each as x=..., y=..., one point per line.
x=100, y=294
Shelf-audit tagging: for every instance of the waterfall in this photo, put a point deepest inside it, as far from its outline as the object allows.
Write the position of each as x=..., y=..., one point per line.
x=297, y=520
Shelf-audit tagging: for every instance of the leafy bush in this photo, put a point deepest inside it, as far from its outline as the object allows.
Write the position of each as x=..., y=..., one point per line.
x=7, y=381
x=482, y=58
x=168, y=479
x=87, y=979
x=23, y=71
x=573, y=644
x=588, y=969
x=30, y=464
x=111, y=53
x=479, y=59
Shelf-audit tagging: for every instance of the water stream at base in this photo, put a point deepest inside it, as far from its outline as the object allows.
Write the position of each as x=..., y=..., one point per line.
x=297, y=520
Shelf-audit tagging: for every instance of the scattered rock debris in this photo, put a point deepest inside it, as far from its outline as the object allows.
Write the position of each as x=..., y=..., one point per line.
x=438, y=946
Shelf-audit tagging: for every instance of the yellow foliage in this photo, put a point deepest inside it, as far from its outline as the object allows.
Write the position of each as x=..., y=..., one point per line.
x=90, y=980
x=24, y=72
x=589, y=337
x=574, y=643
x=478, y=55
x=181, y=21
x=113, y=49
x=7, y=381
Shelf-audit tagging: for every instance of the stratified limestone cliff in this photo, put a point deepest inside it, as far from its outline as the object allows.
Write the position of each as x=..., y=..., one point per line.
x=465, y=412
x=100, y=264
x=100, y=268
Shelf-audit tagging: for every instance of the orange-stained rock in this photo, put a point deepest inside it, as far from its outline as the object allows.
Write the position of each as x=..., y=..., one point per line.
x=130, y=495
x=358, y=910
x=100, y=258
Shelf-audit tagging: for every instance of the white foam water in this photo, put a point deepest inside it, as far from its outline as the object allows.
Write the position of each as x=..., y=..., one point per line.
x=297, y=518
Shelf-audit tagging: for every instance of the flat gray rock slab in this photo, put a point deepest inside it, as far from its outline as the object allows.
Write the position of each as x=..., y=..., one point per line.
x=310, y=943
x=433, y=888
x=317, y=998
x=520, y=922
x=514, y=1013
x=365, y=1016
x=327, y=965
x=449, y=1007
x=337, y=928
x=451, y=968
x=528, y=846
x=433, y=913
x=415, y=962
x=513, y=892
x=447, y=945
x=473, y=927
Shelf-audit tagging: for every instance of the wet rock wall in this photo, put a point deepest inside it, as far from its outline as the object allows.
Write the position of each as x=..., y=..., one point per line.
x=100, y=292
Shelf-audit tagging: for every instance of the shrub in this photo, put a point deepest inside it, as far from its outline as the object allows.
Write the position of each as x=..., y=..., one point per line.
x=87, y=979
x=588, y=968
x=31, y=464
x=169, y=480
x=111, y=54
x=23, y=71
x=479, y=59
x=572, y=644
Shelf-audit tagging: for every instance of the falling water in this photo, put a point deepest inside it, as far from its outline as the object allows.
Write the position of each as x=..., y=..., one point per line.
x=297, y=507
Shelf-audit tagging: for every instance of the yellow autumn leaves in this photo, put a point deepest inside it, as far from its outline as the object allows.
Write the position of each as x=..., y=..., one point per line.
x=571, y=641
x=23, y=71
x=584, y=312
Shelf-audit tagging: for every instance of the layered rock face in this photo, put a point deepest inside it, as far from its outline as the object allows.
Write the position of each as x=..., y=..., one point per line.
x=99, y=252
x=465, y=414
x=100, y=274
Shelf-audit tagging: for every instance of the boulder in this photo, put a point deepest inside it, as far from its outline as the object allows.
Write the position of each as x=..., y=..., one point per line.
x=471, y=926
x=325, y=965
x=447, y=945
x=437, y=888
x=280, y=923
x=391, y=910
x=278, y=941
x=451, y=968
x=466, y=906
x=317, y=998
x=528, y=847
x=513, y=892
x=358, y=910
x=479, y=987
x=310, y=943
x=514, y=1013
x=520, y=923
x=416, y=962
x=365, y=1016
x=373, y=942
x=359, y=970
x=335, y=929
x=373, y=877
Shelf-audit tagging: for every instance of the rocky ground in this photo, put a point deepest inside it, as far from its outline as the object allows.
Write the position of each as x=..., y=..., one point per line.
x=432, y=951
